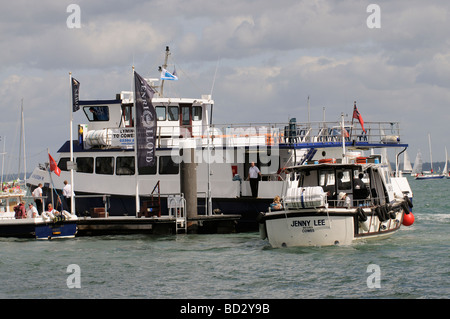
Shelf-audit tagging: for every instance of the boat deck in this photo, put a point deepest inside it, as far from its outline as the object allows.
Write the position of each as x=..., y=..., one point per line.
x=164, y=225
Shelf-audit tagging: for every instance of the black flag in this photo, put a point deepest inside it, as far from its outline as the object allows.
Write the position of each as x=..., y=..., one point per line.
x=145, y=123
x=75, y=95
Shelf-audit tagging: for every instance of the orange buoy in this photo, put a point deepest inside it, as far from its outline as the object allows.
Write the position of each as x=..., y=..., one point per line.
x=408, y=219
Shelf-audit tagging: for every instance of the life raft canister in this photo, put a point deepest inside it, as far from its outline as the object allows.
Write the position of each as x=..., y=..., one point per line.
x=361, y=160
x=327, y=160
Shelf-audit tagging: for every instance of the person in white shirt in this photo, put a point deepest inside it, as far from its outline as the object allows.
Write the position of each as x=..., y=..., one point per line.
x=253, y=176
x=67, y=193
x=32, y=212
x=344, y=200
x=37, y=195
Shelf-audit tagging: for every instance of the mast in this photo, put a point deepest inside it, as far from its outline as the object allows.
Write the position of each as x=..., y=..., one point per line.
x=343, y=138
x=22, y=144
x=164, y=66
x=431, y=156
x=3, y=158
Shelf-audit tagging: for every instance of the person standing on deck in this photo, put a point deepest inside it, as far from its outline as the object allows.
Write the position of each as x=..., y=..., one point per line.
x=253, y=176
x=67, y=193
x=37, y=196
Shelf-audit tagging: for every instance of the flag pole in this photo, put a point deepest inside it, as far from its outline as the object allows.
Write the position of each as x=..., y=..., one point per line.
x=138, y=204
x=72, y=200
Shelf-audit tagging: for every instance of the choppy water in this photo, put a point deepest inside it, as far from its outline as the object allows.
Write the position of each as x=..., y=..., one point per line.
x=414, y=263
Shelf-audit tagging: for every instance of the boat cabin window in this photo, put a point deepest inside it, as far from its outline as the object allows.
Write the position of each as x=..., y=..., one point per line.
x=104, y=165
x=125, y=165
x=328, y=181
x=307, y=178
x=96, y=113
x=85, y=164
x=127, y=115
x=173, y=113
x=62, y=164
x=197, y=113
x=185, y=115
x=160, y=113
x=167, y=165
x=344, y=179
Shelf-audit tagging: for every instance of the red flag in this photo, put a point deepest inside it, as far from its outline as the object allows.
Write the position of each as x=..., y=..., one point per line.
x=358, y=116
x=53, y=166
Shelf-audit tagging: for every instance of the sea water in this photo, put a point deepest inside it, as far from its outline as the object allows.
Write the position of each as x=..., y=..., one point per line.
x=413, y=263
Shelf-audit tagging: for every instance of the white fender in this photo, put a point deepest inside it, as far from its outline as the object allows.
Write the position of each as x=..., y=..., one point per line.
x=66, y=214
x=45, y=217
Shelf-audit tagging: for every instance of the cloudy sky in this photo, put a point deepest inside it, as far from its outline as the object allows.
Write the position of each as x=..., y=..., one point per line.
x=269, y=55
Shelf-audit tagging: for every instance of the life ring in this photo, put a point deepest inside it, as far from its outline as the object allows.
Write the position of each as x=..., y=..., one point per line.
x=361, y=215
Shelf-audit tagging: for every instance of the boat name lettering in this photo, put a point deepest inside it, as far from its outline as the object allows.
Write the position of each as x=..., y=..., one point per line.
x=307, y=223
x=37, y=177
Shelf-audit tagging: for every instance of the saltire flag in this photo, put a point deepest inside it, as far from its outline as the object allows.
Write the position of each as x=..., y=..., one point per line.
x=166, y=75
x=75, y=95
x=357, y=115
x=145, y=123
x=53, y=166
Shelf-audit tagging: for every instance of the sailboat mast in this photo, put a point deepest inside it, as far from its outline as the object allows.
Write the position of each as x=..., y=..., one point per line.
x=24, y=153
x=431, y=156
x=22, y=144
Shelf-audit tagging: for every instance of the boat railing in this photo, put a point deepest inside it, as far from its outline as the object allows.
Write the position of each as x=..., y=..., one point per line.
x=254, y=134
x=354, y=203
x=270, y=134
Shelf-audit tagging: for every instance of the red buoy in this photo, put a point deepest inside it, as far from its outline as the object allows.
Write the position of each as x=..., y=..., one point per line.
x=408, y=219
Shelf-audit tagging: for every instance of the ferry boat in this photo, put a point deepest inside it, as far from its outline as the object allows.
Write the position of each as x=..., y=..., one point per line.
x=338, y=201
x=41, y=227
x=105, y=173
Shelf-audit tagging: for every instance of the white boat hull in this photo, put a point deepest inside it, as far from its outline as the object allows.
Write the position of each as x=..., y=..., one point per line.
x=291, y=229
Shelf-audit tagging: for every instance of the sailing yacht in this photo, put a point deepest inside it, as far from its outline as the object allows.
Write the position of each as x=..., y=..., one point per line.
x=445, y=171
x=407, y=168
x=431, y=175
x=418, y=163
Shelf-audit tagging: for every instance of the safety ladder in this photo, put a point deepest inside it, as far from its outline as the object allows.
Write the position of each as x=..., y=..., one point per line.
x=176, y=205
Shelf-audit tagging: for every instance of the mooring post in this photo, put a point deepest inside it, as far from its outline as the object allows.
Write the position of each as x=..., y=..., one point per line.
x=188, y=180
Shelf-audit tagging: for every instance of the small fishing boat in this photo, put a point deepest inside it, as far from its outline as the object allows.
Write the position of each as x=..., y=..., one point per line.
x=43, y=226
x=338, y=201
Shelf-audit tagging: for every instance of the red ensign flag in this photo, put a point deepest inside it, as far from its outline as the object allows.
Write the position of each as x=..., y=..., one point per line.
x=358, y=116
x=53, y=166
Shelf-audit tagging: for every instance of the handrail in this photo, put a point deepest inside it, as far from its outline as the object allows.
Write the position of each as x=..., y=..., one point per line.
x=232, y=134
